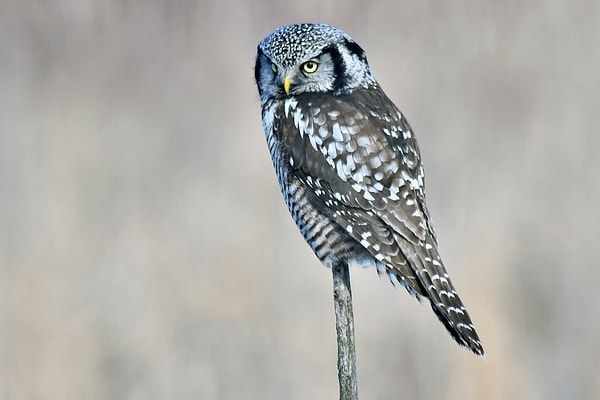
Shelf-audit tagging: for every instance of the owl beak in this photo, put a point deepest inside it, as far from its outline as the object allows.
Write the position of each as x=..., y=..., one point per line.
x=286, y=84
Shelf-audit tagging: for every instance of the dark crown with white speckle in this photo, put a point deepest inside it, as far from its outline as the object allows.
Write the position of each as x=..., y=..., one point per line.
x=291, y=43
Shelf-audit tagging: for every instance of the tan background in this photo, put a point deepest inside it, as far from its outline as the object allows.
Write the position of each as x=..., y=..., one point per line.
x=145, y=250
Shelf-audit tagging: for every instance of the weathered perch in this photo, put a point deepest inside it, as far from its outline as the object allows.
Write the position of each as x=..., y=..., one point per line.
x=344, y=324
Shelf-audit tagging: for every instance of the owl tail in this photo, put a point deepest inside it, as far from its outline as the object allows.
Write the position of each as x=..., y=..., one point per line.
x=460, y=327
x=444, y=299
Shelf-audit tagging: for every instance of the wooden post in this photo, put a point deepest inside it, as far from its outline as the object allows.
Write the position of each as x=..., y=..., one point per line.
x=344, y=324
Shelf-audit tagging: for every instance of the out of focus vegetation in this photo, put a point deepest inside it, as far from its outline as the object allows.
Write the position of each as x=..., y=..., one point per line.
x=145, y=250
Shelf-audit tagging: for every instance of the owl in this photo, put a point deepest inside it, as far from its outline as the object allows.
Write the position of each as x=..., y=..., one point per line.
x=349, y=167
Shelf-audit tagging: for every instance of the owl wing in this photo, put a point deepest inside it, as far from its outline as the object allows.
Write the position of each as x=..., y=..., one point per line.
x=358, y=154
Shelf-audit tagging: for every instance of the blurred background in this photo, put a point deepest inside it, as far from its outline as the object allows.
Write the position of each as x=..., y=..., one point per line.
x=146, y=252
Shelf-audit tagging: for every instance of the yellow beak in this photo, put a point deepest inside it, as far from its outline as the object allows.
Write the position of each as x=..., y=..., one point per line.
x=286, y=84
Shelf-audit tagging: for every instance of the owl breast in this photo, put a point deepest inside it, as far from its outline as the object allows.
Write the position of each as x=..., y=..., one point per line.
x=305, y=195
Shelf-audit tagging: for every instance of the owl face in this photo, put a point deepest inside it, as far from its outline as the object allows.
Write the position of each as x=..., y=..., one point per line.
x=309, y=58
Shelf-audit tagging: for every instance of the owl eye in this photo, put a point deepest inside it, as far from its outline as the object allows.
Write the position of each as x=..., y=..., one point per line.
x=274, y=68
x=310, y=66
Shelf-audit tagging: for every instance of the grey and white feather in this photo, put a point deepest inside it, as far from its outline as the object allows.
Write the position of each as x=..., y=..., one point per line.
x=349, y=166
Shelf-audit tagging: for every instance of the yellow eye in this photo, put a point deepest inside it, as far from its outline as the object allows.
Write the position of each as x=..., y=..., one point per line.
x=274, y=68
x=310, y=66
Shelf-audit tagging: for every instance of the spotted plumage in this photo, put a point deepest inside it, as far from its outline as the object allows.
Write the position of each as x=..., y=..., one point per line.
x=349, y=166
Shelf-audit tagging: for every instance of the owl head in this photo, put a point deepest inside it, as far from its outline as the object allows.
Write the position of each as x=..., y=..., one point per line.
x=305, y=58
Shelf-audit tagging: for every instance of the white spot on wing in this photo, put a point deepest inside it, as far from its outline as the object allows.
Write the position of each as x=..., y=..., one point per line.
x=337, y=133
x=333, y=114
x=369, y=196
